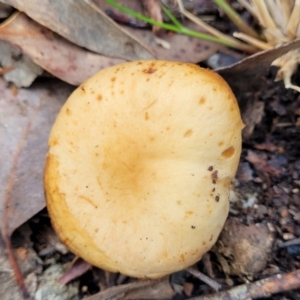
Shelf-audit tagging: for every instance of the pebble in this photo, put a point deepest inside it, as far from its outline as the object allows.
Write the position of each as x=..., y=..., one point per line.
x=288, y=236
x=284, y=213
x=271, y=227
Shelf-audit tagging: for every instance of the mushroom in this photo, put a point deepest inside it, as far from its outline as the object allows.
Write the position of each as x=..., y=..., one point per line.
x=140, y=164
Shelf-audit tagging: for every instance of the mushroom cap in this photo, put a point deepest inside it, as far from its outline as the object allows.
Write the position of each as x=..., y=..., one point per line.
x=140, y=164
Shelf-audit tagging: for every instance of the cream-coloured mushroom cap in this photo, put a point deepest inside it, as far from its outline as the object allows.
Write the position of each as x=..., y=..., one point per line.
x=140, y=163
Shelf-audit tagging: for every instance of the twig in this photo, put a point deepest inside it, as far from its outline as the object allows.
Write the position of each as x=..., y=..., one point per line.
x=255, y=42
x=248, y=7
x=289, y=243
x=213, y=284
x=293, y=23
x=260, y=289
x=15, y=267
x=234, y=42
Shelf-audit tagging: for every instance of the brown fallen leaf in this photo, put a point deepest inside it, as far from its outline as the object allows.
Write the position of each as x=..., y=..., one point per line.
x=25, y=122
x=77, y=268
x=196, y=51
x=182, y=48
x=84, y=24
x=246, y=75
x=196, y=6
x=52, y=52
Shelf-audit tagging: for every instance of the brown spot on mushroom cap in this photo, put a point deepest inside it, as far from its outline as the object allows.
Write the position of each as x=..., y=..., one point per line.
x=99, y=97
x=202, y=100
x=189, y=212
x=182, y=258
x=149, y=70
x=229, y=152
x=143, y=174
x=188, y=133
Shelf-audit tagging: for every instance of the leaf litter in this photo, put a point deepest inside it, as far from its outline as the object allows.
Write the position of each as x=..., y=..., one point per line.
x=244, y=76
x=52, y=52
x=82, y=23
x=25, y=122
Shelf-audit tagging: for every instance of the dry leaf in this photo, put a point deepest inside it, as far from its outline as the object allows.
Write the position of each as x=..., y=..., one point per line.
x=77, y=268
x=82, y=23
x=182, y=48
x=52, y=52
x=25, y=122
x=195, y=6
x=246, y=75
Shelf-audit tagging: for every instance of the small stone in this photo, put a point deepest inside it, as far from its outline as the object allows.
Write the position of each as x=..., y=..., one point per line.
x=271, y=227
x=84, y=288
x=288, y=236
x=284, y=213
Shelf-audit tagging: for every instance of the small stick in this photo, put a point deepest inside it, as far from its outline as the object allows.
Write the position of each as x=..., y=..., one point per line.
x=250, y=40
x=15, y=267
x=260, y=289
x=294, y=241
x=213, y=284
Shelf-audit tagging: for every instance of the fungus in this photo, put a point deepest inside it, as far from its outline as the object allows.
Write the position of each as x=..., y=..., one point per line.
x=130, y=180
